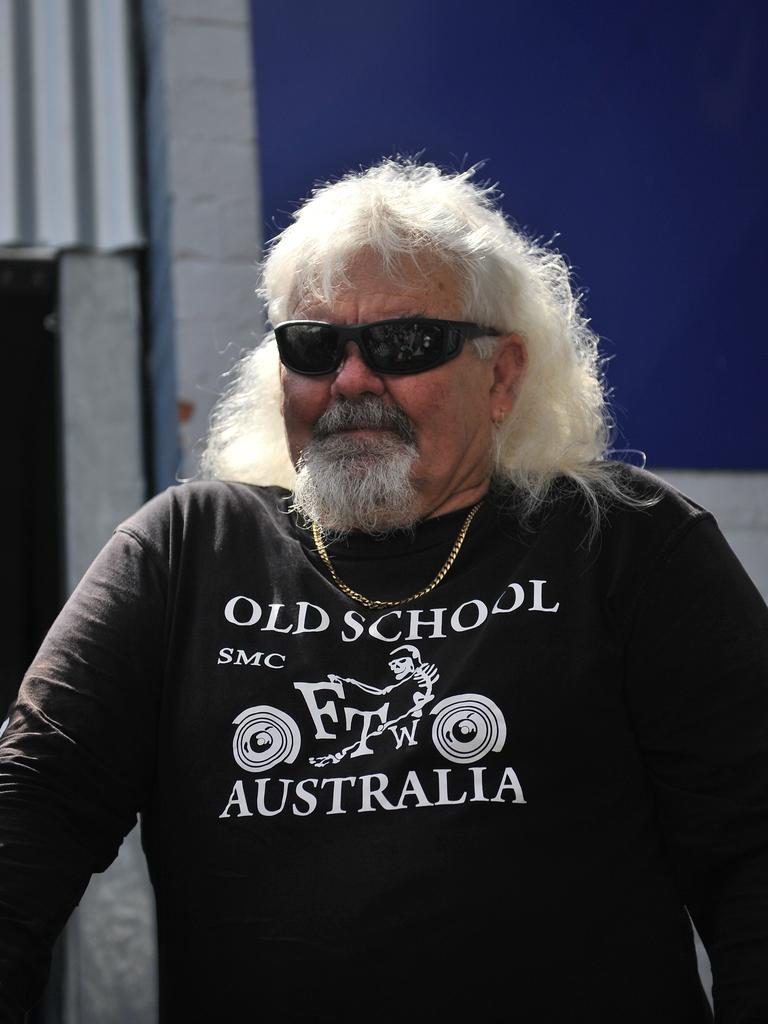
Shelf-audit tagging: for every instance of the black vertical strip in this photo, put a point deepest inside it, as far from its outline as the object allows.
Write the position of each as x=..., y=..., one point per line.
x=143, y=258
x=84, y=171
x=25, y=138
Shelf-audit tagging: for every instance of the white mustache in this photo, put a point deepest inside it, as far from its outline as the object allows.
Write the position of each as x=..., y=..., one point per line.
x=369, y=413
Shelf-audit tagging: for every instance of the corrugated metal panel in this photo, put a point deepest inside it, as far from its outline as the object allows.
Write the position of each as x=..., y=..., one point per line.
x=67, y=125
x=8, y=184
x=112, y=119
x=53, y=122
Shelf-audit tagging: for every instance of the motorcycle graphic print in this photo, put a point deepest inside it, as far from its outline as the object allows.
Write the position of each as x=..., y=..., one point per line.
x=464, y=727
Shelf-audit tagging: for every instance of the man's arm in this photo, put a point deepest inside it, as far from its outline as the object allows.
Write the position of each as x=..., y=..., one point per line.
x=697, y=686
x=76, y=761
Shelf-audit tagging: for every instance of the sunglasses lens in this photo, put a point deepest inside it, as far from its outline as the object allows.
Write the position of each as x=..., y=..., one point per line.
x=308, y=348
x=406, y=347
x=391, y=346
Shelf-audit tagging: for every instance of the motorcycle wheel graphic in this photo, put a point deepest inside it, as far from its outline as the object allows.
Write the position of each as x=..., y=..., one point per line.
x=264, y=737
x=467, y=727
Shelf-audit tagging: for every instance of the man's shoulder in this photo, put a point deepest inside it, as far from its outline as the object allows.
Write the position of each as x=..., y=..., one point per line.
x=647, y=523
x=212, y=507
x=226, y=497
x=616, y=497
x=648, y=501
x=626, y=511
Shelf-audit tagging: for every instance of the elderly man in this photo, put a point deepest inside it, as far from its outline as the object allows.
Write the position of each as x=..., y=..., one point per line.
x=580, y=757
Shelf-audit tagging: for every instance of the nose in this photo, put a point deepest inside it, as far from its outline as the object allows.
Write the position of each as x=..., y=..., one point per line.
x=353, y=378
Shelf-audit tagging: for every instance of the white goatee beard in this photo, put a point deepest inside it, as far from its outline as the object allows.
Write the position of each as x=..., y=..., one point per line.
x=346, y=483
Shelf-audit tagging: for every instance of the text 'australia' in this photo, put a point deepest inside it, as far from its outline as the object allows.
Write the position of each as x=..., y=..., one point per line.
x=441, y=787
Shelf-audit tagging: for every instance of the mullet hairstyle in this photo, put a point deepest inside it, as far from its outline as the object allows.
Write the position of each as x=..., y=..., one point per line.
x=406, y=212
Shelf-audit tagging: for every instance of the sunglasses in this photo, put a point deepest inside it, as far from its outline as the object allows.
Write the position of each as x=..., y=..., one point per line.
x=312, y=348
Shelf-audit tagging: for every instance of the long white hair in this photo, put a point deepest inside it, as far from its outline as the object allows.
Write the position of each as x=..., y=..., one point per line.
x=403, y=212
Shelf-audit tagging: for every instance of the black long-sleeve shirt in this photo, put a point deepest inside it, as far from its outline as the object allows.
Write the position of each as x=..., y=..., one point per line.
x=494, y=803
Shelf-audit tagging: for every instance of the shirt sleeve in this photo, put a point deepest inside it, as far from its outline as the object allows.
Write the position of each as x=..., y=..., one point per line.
x=77, y=759
x=697, y=685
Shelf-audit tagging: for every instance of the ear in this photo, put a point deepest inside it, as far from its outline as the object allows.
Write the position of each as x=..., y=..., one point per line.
x=509, y=362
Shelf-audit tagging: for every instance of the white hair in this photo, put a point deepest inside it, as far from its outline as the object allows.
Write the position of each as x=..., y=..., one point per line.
x=405, y=212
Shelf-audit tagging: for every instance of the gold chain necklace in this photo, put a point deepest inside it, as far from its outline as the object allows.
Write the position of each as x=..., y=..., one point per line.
x=369, y=602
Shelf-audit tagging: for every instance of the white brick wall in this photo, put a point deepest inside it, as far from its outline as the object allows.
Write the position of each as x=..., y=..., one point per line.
x=213, y=196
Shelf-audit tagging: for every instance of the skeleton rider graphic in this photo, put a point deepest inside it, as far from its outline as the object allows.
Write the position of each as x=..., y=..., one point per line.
x=406, y=665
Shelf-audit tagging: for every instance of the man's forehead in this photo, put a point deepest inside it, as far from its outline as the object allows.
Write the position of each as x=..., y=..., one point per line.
x=368, y=291
x=331, y=314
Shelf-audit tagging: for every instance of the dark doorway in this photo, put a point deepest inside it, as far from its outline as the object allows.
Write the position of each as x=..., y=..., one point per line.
x=30, y=531
x=30, y=542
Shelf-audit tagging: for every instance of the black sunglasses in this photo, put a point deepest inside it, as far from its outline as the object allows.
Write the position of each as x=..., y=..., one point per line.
x=405, y=345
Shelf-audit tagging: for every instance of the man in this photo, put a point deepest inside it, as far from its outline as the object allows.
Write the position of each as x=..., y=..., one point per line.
x=580, y=755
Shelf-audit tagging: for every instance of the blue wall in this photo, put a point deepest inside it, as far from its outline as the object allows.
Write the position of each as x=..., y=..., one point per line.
x=635, y=133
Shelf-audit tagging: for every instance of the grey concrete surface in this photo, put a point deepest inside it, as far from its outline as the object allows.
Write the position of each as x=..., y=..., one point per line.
x=110, y=975
x=101, y=410
x=112, y=962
